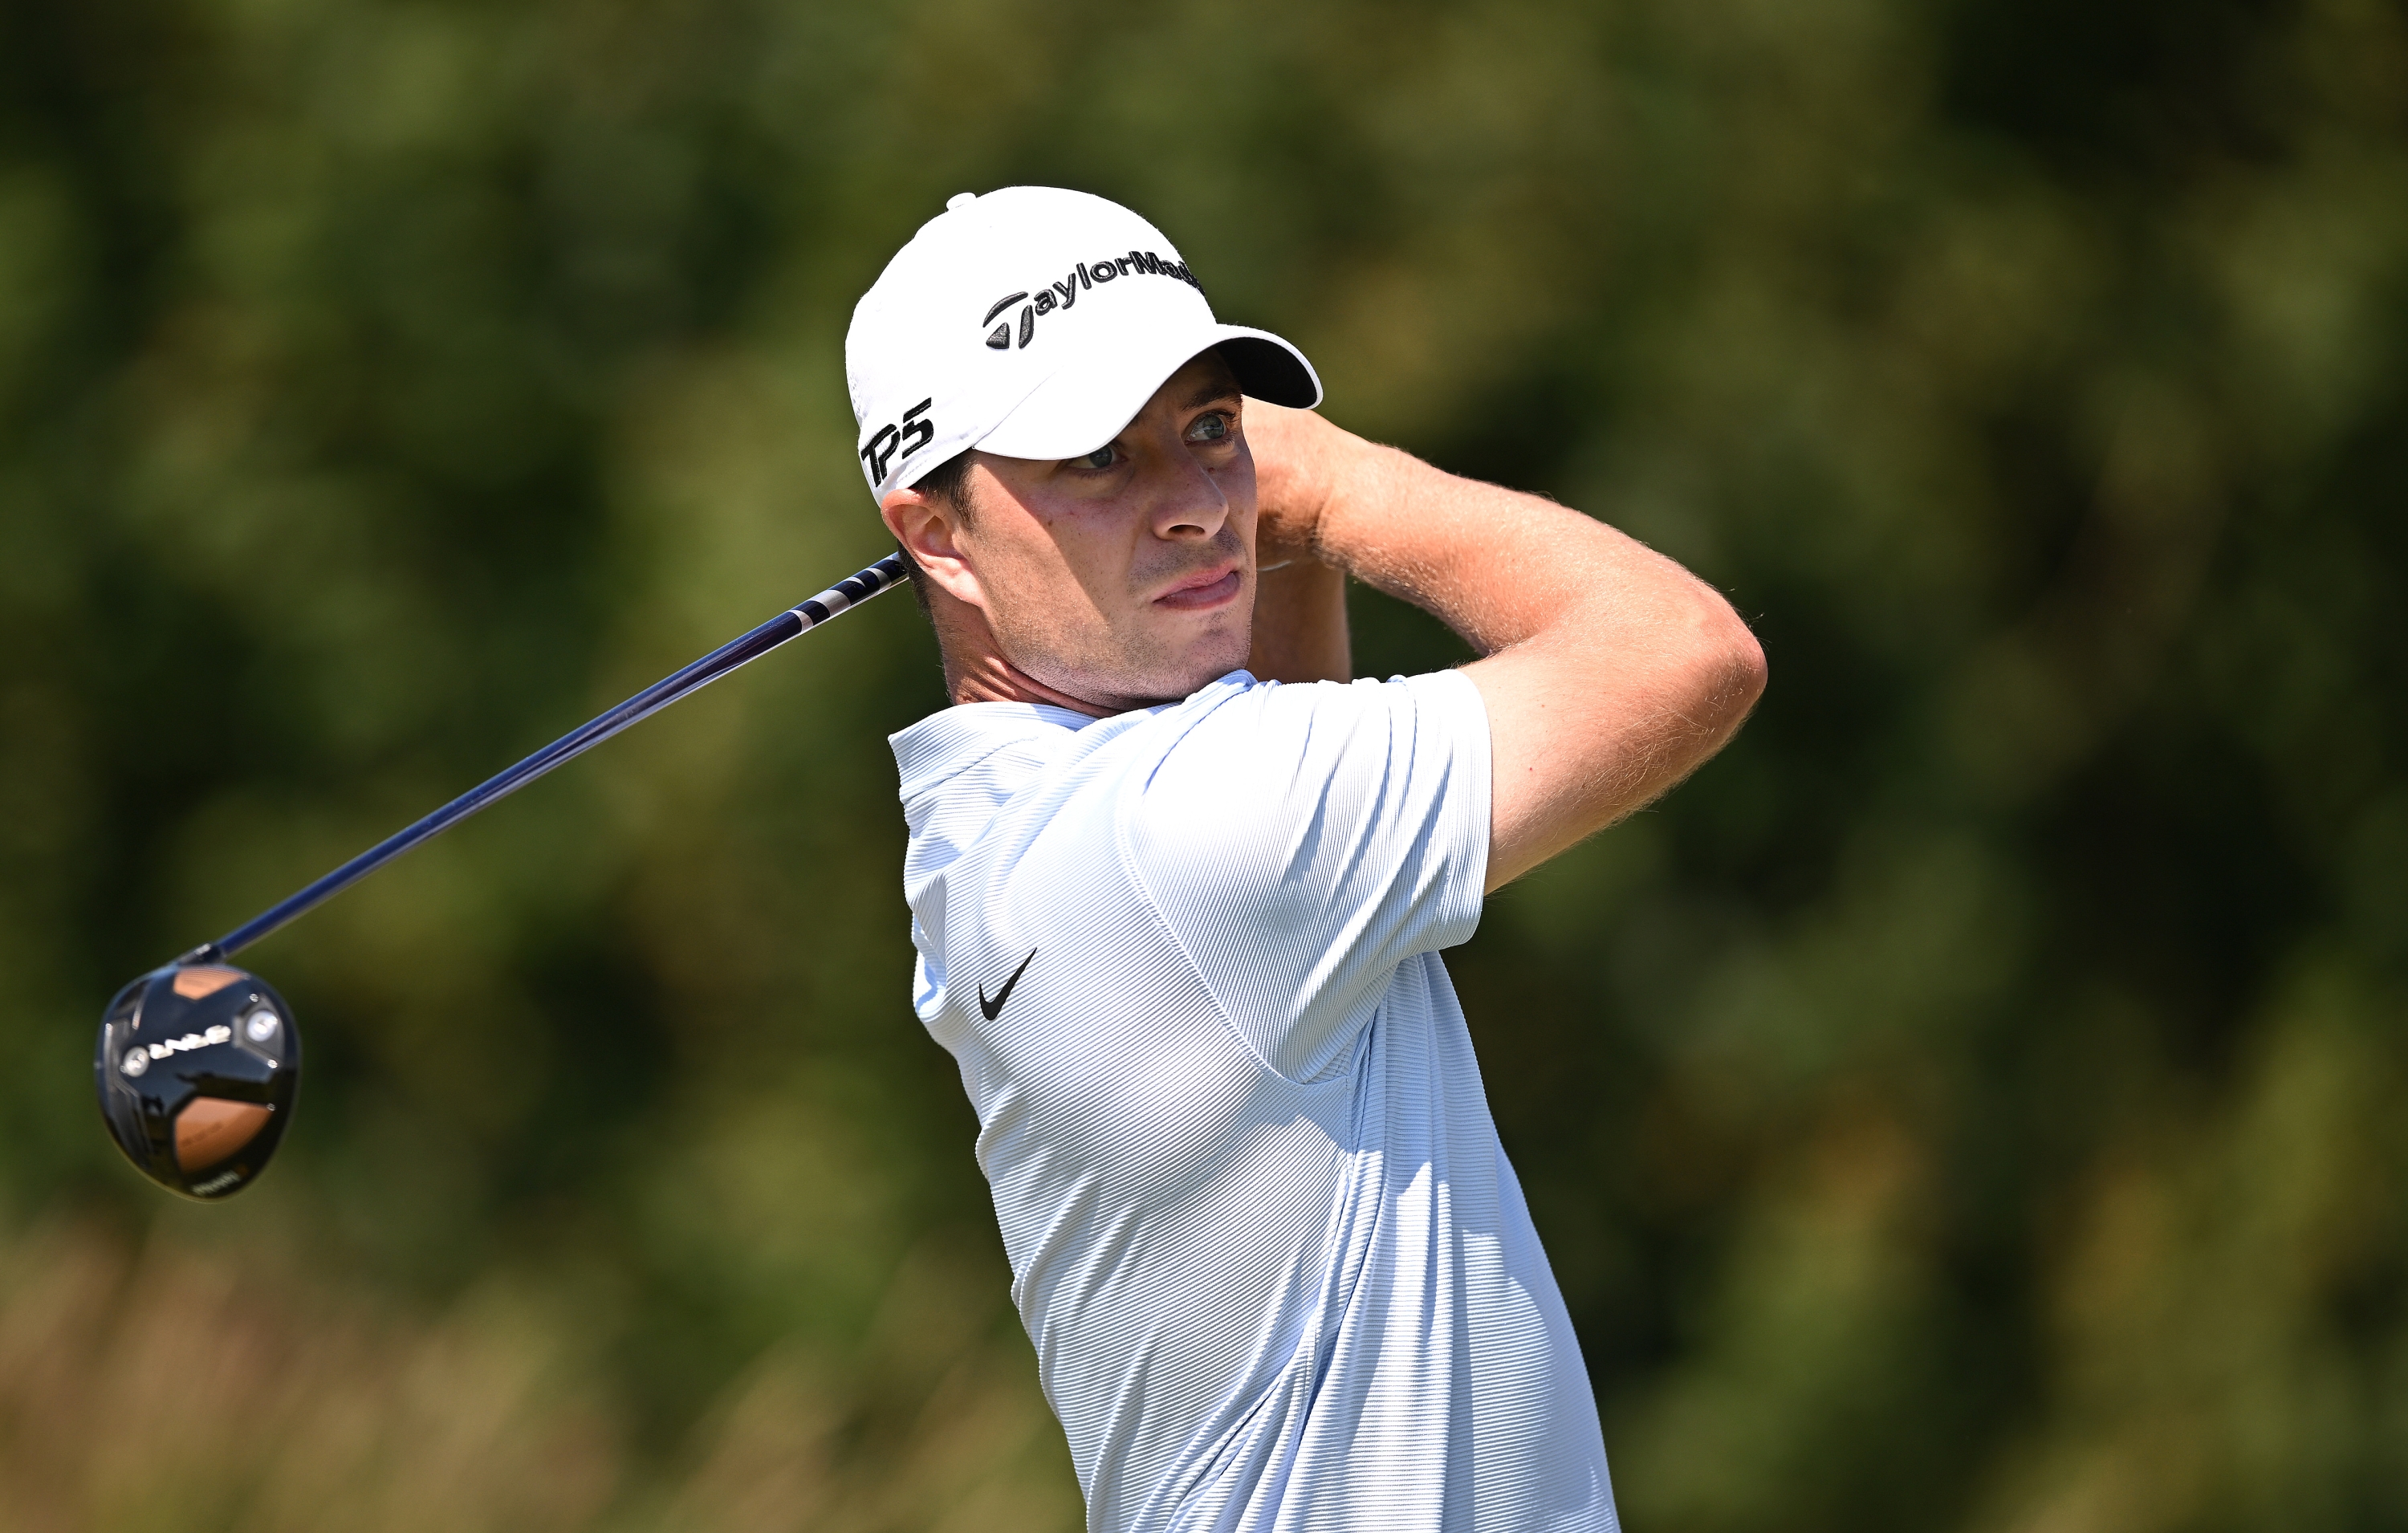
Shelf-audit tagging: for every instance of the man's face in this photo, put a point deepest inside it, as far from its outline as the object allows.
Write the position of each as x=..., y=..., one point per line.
x=1125, y=576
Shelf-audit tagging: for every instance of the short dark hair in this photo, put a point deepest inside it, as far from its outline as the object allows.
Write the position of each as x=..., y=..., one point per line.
x=949, y=482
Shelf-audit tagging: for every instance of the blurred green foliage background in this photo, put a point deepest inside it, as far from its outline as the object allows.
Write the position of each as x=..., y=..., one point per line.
x=1974, y=1102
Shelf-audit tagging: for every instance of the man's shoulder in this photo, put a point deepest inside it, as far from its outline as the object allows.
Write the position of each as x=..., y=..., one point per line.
x=1236, y=749
x=953, y=739
x=972, y=741
x=1267, y=732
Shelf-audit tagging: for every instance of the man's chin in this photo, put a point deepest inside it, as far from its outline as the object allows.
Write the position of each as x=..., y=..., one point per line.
x=1211, y=663
x=1172, y=681
x=1150, y=667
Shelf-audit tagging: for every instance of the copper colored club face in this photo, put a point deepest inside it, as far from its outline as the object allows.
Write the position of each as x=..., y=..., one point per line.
x=210, y=1128
x=203, y=980
x=198, y=1068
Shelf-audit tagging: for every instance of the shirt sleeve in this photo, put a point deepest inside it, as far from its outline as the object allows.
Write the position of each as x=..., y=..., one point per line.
x=1302, y=841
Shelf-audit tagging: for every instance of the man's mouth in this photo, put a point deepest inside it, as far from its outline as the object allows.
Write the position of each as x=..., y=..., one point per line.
x=1202, y=591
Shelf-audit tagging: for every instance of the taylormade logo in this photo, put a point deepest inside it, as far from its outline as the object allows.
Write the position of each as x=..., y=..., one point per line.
x=1064, y=293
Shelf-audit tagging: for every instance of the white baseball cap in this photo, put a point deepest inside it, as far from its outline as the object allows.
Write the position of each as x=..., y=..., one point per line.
x=1034, y=322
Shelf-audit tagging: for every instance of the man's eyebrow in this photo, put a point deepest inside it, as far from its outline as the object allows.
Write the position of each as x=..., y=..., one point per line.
x=1212, y=390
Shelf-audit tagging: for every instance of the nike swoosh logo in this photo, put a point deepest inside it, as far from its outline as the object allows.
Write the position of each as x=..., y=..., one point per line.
x=993, y=1009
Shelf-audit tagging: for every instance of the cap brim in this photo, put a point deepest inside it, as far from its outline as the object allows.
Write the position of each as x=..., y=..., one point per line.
x=1088, y=400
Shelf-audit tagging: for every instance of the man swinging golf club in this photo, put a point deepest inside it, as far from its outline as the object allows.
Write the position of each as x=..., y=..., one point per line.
x=1179, y=888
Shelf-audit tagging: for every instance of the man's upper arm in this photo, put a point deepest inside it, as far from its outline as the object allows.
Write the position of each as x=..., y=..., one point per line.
x=1302, y=841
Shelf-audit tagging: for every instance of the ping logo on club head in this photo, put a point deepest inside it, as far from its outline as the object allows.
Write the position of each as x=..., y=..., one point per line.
x=139, y=1058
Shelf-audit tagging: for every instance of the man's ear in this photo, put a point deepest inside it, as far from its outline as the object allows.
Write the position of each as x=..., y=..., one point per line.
x=927, y=526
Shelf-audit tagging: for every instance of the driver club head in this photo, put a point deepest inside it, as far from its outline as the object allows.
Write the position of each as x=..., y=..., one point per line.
x=197, y=1066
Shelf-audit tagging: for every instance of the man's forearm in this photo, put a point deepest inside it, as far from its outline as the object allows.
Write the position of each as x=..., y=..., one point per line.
x=1300, y=620
x=1496, y=565
x=1611, y=671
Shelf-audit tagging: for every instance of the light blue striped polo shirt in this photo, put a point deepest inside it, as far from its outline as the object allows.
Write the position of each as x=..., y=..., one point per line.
x=1278, y=1272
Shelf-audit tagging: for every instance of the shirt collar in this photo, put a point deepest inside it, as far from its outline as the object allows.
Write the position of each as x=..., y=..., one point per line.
x=945, y=743
x=942, y=744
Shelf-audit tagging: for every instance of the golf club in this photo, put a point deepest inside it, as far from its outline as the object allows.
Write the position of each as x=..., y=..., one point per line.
x=198, y=1062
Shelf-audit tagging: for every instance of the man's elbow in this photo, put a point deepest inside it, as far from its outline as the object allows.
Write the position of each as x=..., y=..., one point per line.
x=1728, y=670
x=1743, y=664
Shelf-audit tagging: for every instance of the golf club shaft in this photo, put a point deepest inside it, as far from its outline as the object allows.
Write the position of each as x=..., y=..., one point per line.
x=845, y=595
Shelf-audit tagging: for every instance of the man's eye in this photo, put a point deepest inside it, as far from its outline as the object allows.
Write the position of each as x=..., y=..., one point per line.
x=1211, y=429
x=1100, y=458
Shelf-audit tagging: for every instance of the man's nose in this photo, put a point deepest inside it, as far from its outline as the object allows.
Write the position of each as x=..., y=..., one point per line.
x=1188, y=505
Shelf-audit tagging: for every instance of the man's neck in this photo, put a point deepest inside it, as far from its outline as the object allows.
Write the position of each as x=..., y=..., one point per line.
x=987, y=677
x=975, y=670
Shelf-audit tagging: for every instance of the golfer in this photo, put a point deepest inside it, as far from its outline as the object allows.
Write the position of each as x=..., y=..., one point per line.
x=1178, y=885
